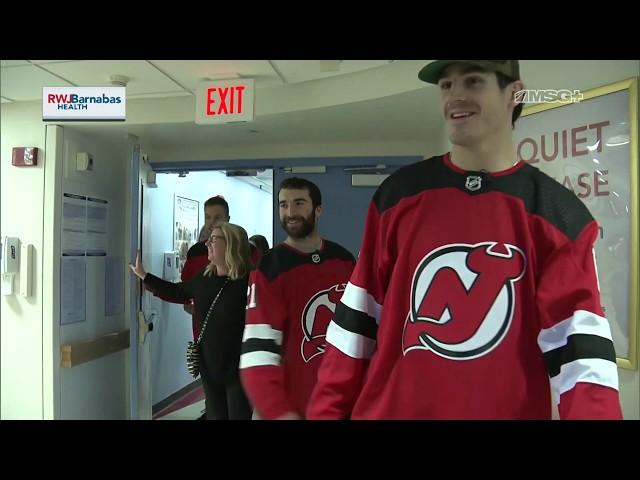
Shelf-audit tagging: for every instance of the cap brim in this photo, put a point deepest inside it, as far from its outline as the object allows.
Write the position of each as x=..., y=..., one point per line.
x=431, y=73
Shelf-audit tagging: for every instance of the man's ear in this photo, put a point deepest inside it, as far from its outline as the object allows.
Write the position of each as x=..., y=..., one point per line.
x=318, y=211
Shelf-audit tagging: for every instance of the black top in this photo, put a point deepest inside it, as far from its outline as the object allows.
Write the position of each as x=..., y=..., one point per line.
x=220, y=345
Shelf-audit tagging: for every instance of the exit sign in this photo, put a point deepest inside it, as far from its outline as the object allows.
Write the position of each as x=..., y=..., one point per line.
x=225, y=101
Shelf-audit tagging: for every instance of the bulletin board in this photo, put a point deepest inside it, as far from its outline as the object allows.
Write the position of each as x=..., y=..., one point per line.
x=591, y=147
x=186, y=223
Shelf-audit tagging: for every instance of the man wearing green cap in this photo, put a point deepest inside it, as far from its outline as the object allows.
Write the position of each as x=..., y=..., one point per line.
x=476, y=294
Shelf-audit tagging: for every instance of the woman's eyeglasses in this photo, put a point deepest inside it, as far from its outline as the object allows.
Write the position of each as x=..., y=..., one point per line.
x=213, y=239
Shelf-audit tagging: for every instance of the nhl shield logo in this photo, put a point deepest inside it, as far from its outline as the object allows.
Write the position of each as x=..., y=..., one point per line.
x=316, y=258
x=473, y=183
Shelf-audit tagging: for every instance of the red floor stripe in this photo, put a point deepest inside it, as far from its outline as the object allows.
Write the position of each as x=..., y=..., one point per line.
x=189, y=399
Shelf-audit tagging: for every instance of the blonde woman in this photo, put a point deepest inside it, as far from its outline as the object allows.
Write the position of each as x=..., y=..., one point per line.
x=220, y=293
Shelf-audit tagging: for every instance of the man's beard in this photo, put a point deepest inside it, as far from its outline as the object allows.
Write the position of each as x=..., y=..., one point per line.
x=301, y=230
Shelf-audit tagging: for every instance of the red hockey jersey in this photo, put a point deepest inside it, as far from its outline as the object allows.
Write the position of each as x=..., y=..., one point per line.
x=291, y=299
x=474, y=294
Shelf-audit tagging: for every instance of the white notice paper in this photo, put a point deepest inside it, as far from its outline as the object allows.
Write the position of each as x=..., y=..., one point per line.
x=74, y=237
x=73, y=286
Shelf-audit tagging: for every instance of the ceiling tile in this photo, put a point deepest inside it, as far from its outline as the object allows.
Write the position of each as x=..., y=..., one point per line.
x=180, y=93
x=12, y=63
x=44, y=62
x=296, y=71
x=144, y=78
x=190, y=73
x=24, y=83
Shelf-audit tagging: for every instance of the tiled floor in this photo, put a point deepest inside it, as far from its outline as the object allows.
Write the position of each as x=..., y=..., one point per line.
x=188, y=407
x=190, y=412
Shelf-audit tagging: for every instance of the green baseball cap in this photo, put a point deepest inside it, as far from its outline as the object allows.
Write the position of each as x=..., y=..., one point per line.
x=432, y=72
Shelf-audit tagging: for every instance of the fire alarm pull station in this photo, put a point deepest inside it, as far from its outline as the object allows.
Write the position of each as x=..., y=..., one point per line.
x=24, y=156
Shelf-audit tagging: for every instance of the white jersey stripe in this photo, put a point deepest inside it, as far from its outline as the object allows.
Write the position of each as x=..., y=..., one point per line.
x=258, y=359
x=263, y=331
x=595, y=266
x=589, y=370
x=359, y=299
x=582, y=322
x=349, y=343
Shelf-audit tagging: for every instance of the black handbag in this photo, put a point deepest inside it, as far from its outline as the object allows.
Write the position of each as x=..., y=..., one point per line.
x=193, y=348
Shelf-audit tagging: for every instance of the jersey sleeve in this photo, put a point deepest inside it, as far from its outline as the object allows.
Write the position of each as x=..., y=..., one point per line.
x=193, y=265
x=575, y=336
x=351, y=336
x=261, y=368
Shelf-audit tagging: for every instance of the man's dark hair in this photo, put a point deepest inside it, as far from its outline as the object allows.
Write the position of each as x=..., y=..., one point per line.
x=218, y=200
x=297, y=183
x=260, y=243
x=503, y=81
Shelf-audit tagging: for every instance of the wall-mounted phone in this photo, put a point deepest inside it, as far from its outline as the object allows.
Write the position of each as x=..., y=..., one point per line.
x=10, y=262
x=84, y=162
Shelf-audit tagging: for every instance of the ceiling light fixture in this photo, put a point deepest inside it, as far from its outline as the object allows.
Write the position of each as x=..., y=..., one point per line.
x=214, y=77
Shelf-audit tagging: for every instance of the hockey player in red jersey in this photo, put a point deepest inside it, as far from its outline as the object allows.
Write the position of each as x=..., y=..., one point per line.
x=475, y=295
x=291, y=299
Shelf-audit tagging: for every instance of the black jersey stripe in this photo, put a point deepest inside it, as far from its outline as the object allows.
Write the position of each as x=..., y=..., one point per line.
x=579, y=346
x=541, y=194
x=260, y=345
x=356, y=321
x=281, y=259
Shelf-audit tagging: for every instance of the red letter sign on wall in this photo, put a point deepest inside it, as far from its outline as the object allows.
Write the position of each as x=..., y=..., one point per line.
x=224, y=101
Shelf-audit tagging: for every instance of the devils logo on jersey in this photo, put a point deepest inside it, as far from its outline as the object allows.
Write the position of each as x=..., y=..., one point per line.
x=462, y=299
x=317, y=314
